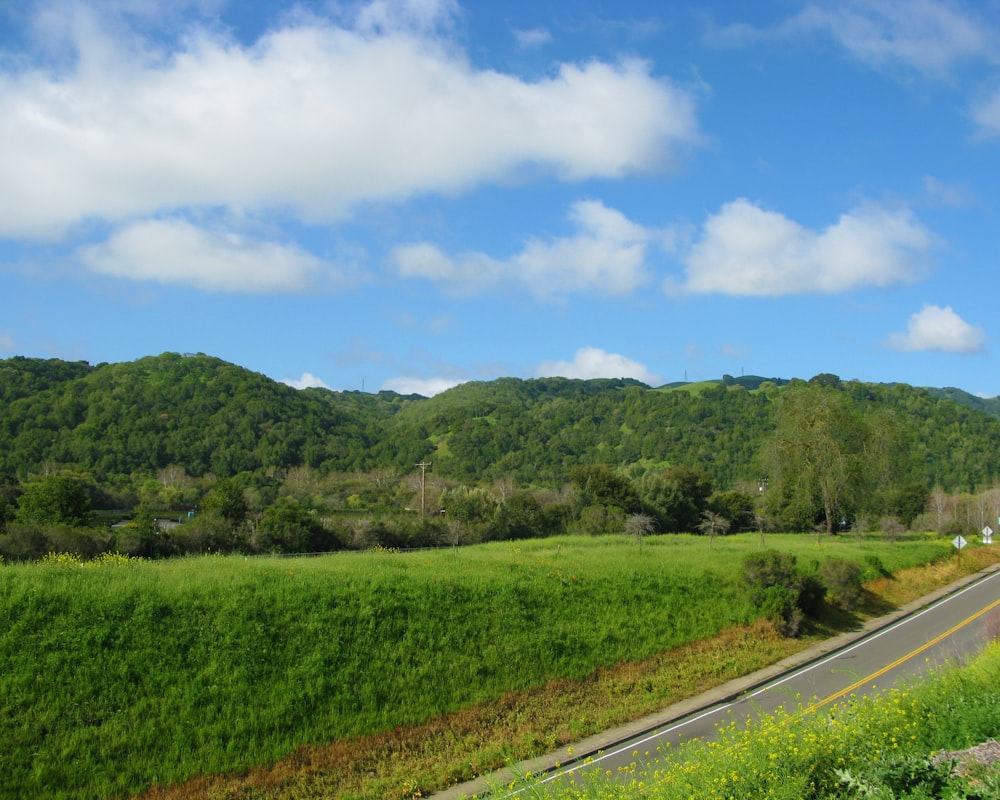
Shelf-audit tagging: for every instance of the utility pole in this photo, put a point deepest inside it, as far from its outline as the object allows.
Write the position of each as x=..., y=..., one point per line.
x=423, y=470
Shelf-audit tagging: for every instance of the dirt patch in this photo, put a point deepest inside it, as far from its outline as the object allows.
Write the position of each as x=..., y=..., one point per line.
x=985, y=754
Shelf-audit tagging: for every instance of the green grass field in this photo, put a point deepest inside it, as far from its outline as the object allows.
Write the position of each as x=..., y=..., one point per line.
x=117, y=677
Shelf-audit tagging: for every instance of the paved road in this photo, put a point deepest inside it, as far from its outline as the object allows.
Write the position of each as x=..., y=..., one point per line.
x=951, y=625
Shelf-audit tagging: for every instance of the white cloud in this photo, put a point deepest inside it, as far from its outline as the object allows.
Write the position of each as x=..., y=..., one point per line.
x=426, y=387
x=533, y=37
x=606, y=255
x=313, y=118
x=928, y=36
x=747, y=250
x=380, y=16
x=937, y=328
x=986, y=114
x=7, y=343
x=592, y=362
x=952, y=195
x=178, y=252
x=306, y=381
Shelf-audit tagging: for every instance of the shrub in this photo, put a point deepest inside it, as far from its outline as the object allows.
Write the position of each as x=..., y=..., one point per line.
x=842, y=579
x=769, y=568
x=779, y=605
x=776, y=586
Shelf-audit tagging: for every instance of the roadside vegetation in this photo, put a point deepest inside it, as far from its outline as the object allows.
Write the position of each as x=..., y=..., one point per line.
x=293, y=677
x=932, y=740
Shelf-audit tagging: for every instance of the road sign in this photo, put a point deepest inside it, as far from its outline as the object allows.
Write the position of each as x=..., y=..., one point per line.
x=959, y=542
x=987, y=535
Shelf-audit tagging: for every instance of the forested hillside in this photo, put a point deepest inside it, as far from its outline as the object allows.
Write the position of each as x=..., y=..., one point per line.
x=212, y=417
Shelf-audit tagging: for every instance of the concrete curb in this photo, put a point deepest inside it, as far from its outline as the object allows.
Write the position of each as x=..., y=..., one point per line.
x=727, y=691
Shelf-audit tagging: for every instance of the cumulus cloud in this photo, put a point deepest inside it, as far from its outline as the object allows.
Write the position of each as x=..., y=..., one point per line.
x=426, y=387
x=179, y=252
x=937, y=328
x=747, y=250
x=928, y=36
x=592, y=362
x=313, y=118
x=606, y=255
x=306, y=381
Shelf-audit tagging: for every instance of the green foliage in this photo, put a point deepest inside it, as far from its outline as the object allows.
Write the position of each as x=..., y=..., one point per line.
x=865, y=748
x=676, y=497
x=55, y=500
x=598, y=485
x=822, y=452
x=470, y=505
x=737, y=507
x=141, y=536
x=228, y=501
x=908, y=501
x=906, y=777
x=776, y=586
x=288, y=527
x=140, y=672
x=520, y=517
x=155, y=429
x=842, y=579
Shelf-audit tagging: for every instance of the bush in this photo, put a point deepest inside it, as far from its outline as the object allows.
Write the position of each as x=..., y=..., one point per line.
x=842, y=579
x=770, y=568
x=780, y=607
x=776, y=586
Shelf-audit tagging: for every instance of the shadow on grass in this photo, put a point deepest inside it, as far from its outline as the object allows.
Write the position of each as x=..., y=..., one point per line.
x=834, y=620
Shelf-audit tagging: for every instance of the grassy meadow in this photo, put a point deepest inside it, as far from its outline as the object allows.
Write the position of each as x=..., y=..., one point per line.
x=124, y=675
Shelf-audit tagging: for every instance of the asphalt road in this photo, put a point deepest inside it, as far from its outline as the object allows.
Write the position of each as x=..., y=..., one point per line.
x=950, y=625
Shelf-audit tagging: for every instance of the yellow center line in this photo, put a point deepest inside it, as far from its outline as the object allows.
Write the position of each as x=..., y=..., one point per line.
x=898, y=661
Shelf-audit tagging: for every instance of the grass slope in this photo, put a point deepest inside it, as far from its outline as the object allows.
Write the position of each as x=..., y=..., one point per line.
x=115, y=678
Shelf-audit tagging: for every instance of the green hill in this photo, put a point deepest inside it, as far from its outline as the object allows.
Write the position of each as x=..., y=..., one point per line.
x=216, y=418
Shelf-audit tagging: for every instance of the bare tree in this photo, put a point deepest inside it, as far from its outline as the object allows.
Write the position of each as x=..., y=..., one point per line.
x=639, y=525
x=941, y=505
x=712, y=525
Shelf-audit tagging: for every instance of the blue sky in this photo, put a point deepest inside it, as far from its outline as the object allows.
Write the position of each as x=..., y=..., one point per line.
x=410, y=194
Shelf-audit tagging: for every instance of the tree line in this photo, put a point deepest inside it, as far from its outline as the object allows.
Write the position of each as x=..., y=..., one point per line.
x=247, y=464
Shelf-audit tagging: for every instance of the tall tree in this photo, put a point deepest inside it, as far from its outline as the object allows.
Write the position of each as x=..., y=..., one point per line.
x=56, y=499
x=824, y=453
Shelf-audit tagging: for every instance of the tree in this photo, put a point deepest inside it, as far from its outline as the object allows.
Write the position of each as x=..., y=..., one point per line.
x=55, y=500
x=713, y=525
x=227, y=500
x=676, y=497
x=908, y=502
x=288, y=527
x=824, y=454
x=8, y=502
x=597, y=485
x=470, y=505
x=639, y=525
x=735, y=506
x=521, y=517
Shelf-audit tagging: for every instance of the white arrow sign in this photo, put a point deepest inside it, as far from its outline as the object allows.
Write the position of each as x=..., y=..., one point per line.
x=959, y=542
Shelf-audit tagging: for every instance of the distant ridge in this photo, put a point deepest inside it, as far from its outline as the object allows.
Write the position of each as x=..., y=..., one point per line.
x=213, y=418
x=989, y=405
